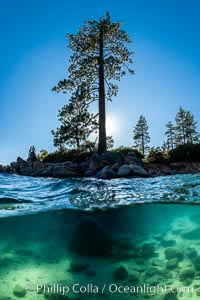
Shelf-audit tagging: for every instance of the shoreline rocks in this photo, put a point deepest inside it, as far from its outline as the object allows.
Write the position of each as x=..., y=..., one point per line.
x=107, y=165
x=102, y=166
x=5, y=169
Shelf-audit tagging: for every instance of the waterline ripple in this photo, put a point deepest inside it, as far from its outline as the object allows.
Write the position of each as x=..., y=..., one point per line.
x=33, y=195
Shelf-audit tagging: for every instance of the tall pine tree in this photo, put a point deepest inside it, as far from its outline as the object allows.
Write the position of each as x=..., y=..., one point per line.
x=141, y=136
x=186, y=128
x=99, y=56
x=180, y=127
x=170, y=135
x=192, y=135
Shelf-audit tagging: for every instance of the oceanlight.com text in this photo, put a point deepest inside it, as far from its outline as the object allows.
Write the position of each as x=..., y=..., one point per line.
x=112, y=288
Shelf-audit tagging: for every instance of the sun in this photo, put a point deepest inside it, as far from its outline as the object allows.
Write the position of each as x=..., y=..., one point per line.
x=111, y=125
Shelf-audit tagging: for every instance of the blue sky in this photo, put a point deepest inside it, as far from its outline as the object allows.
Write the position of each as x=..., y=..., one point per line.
x=34, y=57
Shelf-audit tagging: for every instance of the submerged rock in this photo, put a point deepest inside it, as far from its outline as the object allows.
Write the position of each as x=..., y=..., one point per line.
x=19, y=291
x=172, y=263
x=90, y=273
x=90, y=239
x=147, y=250
x=157, y=263
x=197, y=282
x=197, y=263
x=151, y=271
x=134, y=277
x=173, y=252
x=120, y=273
x=192, y=253
x=167, y=243
x=191, y=234
x=77, y=266
x=139, y=261
x=186, y=274
x=158, y=236
x=170, y=296
x=125, y=243
x=120, y=254
x=198, y=292
x=164, y=273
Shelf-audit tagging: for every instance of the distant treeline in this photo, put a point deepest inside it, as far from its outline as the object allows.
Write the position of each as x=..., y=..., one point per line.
x=183, y=131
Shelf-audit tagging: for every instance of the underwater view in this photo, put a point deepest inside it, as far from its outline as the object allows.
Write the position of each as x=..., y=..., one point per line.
x=93, y=239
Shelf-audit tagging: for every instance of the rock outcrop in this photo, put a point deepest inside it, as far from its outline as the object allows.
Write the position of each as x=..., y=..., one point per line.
x=5, y=169
x=103, y=166
x=138, y=170
x=124, y=171
x=23, y=166
x=96, y=162
x=174, y=168
x=106, y=173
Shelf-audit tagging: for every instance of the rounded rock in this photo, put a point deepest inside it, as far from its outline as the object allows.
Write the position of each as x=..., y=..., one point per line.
x=120, y=273
x=90, y=238
x=172, y=252
x=19, y=291
x=186, y=274
x=172, y=263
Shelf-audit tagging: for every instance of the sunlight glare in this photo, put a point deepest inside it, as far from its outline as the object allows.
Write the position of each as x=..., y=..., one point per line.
x=112, y=125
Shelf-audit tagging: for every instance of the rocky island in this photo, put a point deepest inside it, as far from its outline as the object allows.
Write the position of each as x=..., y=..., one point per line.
x=101, y=166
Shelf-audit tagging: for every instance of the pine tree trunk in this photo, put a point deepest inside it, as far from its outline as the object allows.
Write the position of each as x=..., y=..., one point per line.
x=172, y=141
x=183, y=131
x=77, y=139
x=77, y=143
x=102, y=110
x=142, y=142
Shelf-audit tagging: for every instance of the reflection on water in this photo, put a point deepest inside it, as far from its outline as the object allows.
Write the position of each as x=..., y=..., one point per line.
x=92, y=255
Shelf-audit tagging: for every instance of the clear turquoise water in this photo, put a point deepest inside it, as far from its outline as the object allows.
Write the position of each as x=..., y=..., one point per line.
x=40, y=215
